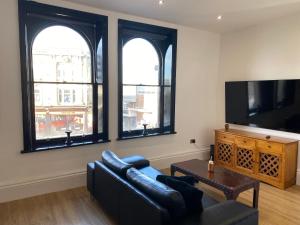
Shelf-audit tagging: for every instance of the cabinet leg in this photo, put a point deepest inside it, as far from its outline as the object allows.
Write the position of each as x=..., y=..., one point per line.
x=256, y=195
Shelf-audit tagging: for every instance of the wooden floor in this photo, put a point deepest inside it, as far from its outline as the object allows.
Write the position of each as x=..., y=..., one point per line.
x=74, y=207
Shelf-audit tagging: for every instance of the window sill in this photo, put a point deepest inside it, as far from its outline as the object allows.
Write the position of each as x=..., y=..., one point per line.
x=145, y=136
x=56, y=147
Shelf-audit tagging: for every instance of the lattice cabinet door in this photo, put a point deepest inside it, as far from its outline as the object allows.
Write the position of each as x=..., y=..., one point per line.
x=245, y=159
x=269, y=166
x=224, y=153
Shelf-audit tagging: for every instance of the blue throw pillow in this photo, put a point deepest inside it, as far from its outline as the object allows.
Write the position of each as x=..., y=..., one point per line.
x=191, y=195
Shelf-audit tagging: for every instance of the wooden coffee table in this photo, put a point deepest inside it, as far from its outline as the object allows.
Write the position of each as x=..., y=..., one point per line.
x=231, y=183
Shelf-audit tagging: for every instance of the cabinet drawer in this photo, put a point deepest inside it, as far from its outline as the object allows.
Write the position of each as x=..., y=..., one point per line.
x=274, y=147
x=225, y=137
x=245, y=142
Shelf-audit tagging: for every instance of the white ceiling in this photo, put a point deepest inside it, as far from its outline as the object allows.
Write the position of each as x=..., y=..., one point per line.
x=202, y=13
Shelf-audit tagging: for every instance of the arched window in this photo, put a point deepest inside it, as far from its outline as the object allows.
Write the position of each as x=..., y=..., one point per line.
x=168, y=66
x=67, y=68
x=140, y=63
x=61, y=54
x=61, y=61
x=140, y=85
x=168, y=86
x=146, y=66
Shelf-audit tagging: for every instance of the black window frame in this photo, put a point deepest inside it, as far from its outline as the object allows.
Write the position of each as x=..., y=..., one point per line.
x=33, y=18
x=161, y=38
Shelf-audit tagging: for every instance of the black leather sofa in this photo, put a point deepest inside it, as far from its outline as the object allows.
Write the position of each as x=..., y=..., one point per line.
x=115, y=183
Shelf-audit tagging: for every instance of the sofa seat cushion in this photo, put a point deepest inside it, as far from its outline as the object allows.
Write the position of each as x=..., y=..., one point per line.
x=150, y=172
x=112, y=161
x=167, y=197
x=229, y=212
x=208, y=201
x=136, y=161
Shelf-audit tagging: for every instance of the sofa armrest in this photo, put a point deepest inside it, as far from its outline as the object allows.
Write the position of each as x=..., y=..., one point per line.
x=229, y=213
x=137, y=161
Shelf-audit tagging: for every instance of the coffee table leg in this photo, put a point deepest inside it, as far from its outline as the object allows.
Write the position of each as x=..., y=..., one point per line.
x=231, y=195
x=173, y=170
x=255, y=195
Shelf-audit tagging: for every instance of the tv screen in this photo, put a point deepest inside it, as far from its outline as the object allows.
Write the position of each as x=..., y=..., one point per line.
x=273, y=104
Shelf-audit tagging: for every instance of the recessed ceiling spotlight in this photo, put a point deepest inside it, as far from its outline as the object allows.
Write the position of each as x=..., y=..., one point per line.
x=161, y=2
x=220, y=17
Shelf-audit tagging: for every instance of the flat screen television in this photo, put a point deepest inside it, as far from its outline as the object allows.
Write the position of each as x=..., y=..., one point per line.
x=270, y=104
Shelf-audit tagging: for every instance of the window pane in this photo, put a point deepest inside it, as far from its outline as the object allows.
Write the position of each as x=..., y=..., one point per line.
x=140, y=106
x=63, y=107
x=168, y=66
x=60, y=54
x=167, y=106
x=100, y=62
x=140, y=63
x=100, y=109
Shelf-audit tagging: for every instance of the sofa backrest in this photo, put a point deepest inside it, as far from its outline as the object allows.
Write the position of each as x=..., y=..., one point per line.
x=112, y=161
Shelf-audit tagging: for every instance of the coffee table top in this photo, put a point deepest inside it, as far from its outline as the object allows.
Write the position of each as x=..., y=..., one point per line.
x=221, y=178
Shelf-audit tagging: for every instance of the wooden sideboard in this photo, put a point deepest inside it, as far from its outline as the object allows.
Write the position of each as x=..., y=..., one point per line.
x=272, y=160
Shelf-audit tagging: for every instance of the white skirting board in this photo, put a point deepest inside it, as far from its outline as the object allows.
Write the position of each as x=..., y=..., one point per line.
x=29, y=188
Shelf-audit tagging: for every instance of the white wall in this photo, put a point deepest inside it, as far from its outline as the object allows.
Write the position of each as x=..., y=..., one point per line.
x=24, y=175
x=268, y=51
